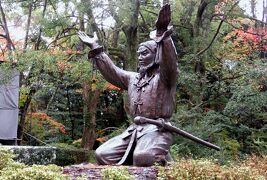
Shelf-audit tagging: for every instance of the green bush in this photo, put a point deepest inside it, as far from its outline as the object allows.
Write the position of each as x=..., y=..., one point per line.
x=49, y=172
x=11, y=170
x=69, y=154
x=252, y=168
x=6, y=158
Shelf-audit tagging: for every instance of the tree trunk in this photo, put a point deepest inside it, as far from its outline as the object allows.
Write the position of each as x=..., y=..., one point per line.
x=253, y=8
x=90, y=99
x=131, y=46
x=91, y=25
x=23, y=115
x=72, y=120
x=130, y=32
x=200, y=12
x=33, y=90
x=37, y=44
x=28, y=25
x=10, y=45
x=51, y=100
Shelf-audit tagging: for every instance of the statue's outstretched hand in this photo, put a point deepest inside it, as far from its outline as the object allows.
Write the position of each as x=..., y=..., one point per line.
x=90, y=41
x=163, y=20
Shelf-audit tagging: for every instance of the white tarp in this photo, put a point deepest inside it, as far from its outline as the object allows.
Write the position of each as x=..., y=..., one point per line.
x=9, y=96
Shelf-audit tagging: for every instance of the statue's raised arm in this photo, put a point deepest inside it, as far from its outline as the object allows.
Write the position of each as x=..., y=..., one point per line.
x=164, y=19
x=166, y=52
x=111, y=73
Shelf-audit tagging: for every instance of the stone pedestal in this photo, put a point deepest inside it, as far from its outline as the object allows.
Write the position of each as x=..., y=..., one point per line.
x=94, y=172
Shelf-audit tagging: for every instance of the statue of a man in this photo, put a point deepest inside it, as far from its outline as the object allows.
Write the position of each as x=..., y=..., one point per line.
x=151, y=94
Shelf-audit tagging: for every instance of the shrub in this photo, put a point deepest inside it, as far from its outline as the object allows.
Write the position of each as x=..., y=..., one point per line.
x=11, y=170
x=45, y=128
x=49, y=172
x=69, y=154
x=6, y=158
x=252, y=168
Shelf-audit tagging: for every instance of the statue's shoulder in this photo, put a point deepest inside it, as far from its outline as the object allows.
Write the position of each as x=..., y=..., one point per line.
x=133, y=76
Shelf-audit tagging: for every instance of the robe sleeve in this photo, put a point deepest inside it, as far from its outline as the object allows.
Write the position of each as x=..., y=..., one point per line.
x=166, y=57
x=110, y=71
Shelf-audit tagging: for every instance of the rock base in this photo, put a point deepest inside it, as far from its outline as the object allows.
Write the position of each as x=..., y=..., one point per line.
x=95, y=172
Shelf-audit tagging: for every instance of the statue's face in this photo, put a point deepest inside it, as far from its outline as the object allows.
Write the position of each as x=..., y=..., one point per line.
x=145, y=57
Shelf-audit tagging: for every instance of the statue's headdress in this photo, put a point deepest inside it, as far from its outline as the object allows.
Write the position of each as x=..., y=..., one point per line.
x=151, y=45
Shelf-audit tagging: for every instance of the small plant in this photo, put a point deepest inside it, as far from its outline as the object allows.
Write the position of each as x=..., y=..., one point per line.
x=116, y=173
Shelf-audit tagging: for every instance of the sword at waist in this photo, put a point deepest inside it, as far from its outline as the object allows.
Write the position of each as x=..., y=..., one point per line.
x=161, y=123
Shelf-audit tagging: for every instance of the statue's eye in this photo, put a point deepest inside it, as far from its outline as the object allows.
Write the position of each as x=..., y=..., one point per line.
x=144, y=53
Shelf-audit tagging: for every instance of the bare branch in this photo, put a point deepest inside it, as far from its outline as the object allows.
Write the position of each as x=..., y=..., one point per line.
x=5, y=27
x=213, y=39
x=151, y=12
x=58, y=38
x=217, y=31
x=254, y=19
x=242, y=29
x=2, y=35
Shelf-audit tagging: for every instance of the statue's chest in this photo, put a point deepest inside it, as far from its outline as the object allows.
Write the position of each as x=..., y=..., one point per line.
x=143, y=93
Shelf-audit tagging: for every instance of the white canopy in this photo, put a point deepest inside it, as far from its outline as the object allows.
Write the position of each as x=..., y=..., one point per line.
x=9, y=110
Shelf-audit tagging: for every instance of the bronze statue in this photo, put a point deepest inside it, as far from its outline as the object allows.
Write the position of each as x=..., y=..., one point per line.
x=151, y=94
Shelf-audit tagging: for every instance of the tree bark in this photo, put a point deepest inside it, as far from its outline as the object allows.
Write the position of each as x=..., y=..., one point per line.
x=200, y=12
x=90, y=99
x=130, y=31
x=91, y=26
x=23, y=115
x=28, y=26
x=37, y=44
x=10, y=45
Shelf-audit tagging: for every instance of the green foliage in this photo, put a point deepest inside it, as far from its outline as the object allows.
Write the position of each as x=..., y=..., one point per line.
x=49, y=172
x=44, y=127
x=6, y=70
x=6, y=158
x=9, y=169
x=69, y=154
x=252, y=168
x=245, y=103
x=23, y=96
x=222, y=105
x=234, y=137
x=116, y=173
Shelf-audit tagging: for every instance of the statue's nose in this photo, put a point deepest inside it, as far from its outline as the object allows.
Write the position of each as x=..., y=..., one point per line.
x=140, y=57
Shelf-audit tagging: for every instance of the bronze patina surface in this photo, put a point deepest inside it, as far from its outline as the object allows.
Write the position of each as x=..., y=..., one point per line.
x=151, y=94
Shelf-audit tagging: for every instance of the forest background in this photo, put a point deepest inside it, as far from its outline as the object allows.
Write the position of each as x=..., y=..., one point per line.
x=222, y=85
